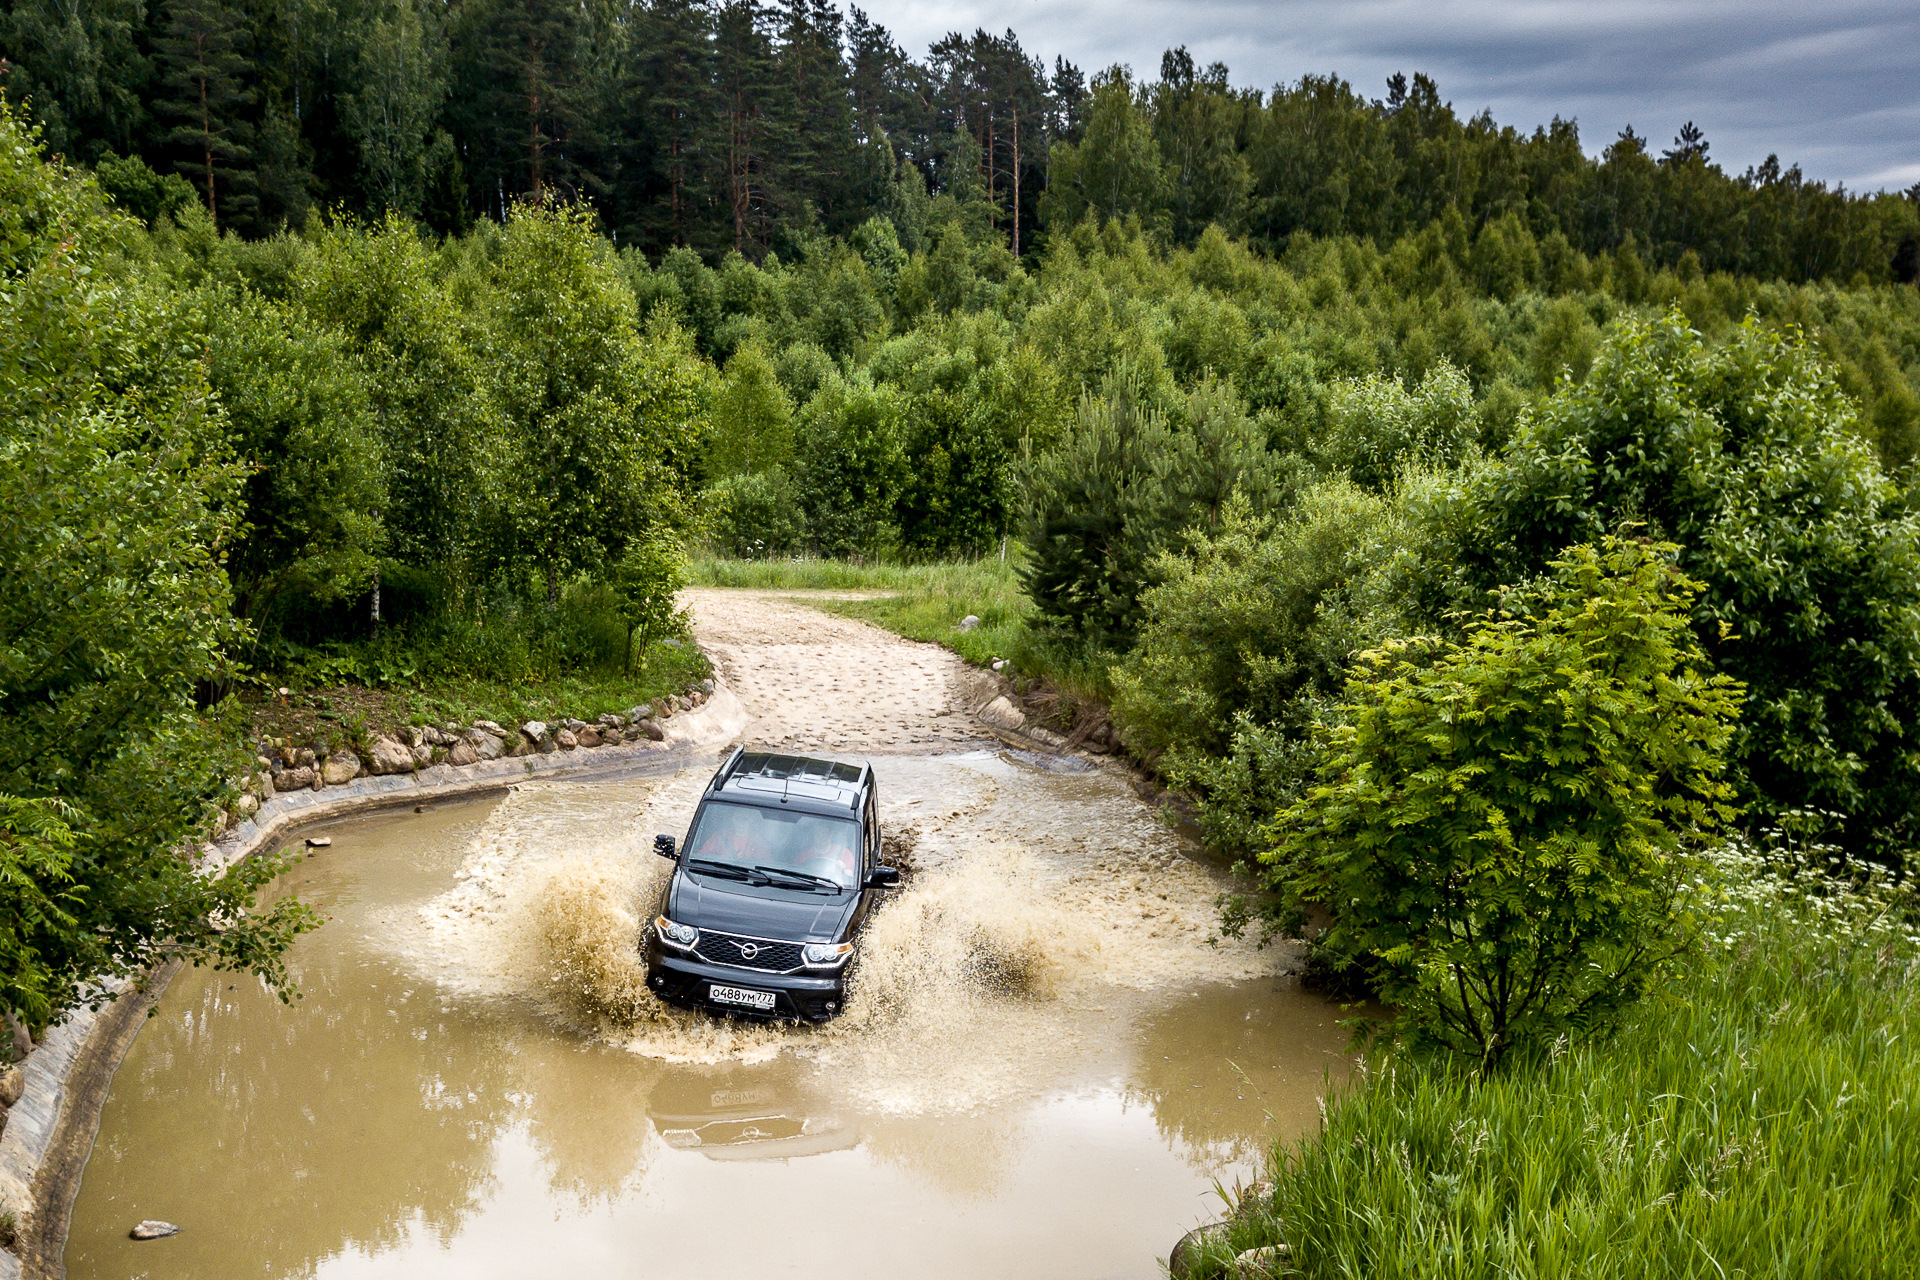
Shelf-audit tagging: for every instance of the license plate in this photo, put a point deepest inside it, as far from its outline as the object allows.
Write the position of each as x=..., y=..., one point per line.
x=740, y=995
x=740, y=1097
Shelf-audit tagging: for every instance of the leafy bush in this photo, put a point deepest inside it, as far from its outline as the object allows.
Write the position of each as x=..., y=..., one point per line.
x=752, y=416
x=1245, y=638
x=803, y=369
x=756, y=514
x=1750, y=457
x=849, y=466
x=1373, y=426
x=148, y=196
x=296, y=407
x=1256, y=614
x=1505, y=823
x=36, y=850
x=1124, y=487
x=955, y=495
x=643, y=586
x=607, y=418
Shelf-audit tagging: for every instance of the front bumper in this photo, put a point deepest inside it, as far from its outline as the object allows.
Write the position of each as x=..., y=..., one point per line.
x=685, y=980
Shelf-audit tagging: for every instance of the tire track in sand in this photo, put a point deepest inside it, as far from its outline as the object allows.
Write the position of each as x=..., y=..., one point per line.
x=813, y=681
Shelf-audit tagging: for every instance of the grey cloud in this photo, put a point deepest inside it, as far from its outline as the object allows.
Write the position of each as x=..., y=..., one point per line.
x=1832, y=87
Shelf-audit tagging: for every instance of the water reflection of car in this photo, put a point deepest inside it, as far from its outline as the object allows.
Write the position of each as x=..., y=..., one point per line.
x=742, y=1120
x=780, y=870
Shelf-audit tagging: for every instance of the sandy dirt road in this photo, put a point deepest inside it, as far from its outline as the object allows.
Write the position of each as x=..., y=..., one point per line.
x=811, y=680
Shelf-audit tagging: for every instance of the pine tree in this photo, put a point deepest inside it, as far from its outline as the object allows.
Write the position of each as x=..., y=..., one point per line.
x=1691, y=145
x=203, y=65
x=514, y=81
x=820, y=158
x=747, y=130
x=673, y=90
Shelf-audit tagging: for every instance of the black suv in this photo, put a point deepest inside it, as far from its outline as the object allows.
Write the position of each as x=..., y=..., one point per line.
x=780, y=870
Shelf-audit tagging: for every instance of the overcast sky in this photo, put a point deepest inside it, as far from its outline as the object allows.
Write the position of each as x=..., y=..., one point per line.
x=1833, y=85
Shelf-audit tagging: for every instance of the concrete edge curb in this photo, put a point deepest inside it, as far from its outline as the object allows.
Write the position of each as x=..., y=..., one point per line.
x=50, y=1132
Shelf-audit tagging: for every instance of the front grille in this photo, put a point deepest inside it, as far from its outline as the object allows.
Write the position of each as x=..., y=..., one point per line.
x=748, y=953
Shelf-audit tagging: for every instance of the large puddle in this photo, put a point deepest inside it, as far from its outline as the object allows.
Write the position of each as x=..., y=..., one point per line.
x=1047, y=1066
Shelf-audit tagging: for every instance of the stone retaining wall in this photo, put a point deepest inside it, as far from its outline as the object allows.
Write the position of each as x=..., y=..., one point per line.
x=50, y=1131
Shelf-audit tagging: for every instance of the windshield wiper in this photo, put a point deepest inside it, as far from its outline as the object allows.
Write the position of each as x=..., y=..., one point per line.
x=727, y=869
x=801, y=876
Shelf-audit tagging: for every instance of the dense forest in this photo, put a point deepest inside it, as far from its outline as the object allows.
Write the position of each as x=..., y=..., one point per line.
x=752, y=127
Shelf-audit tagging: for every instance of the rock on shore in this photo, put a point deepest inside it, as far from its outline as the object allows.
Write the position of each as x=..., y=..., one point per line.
x=389, y=756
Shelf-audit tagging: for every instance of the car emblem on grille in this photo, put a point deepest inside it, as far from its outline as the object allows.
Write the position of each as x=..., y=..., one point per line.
x=748, y=950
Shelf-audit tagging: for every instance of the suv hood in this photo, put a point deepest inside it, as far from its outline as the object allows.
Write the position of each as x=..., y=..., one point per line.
x=732, y=906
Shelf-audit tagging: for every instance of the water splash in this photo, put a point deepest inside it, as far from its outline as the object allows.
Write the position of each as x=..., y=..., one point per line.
x=990, y=940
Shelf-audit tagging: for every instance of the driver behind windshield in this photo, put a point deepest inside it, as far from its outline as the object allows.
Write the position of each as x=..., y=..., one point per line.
x=749, y=836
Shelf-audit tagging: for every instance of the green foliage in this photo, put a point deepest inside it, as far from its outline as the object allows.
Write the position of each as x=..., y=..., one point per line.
x=756, y=514
x=1752, y=1118
x=803, y=369
x=1374, y=426
x=296, y=406
x=121, y=496
x=390, y=109
x=848, y=466
x=890, y=182
x=1749, y=457
x=443, y=436
x=1506, y=824
x=36, y=850
x=148, y=196
x=644, y=584
x=603, y=418
x=1247, y=635
x=1115, y=169
x=752, y=417
x=1256, y=614
x=1123, y=487
x=955, y=497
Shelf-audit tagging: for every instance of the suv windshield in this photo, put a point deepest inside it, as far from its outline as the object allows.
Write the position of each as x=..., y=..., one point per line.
x=772, y=840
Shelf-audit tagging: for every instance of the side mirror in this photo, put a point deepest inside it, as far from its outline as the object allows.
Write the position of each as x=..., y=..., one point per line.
x=663, y=845
x=883, y=878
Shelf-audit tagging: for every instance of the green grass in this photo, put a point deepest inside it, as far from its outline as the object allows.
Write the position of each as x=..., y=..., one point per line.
x=350, y=714
x=1760, y=1118
x=584, y=694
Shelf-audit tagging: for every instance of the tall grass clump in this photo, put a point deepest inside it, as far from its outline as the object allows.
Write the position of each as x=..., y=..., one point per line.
x=1761, y=1116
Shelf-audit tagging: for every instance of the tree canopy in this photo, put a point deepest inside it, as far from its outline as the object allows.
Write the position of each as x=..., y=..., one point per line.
x=123, y=496
x=740, y=125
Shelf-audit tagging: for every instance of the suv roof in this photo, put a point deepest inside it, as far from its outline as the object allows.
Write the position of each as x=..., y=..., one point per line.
x=801, y=782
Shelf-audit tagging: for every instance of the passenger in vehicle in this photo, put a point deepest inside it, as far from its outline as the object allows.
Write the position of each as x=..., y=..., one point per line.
x=835, y=857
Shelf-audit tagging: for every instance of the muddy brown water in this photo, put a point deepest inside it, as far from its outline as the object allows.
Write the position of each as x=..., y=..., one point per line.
x=1045, y=1070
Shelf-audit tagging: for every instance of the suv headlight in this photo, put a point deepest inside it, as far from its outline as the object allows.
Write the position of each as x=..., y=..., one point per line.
x=826, y=955
x=675, y=935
